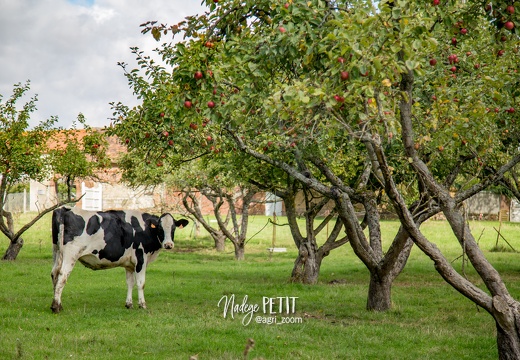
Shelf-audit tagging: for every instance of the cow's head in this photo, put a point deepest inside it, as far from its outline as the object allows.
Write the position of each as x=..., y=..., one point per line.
x=165, y=228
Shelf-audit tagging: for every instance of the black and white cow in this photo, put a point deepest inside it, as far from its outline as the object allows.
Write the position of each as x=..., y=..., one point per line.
x=108, y=239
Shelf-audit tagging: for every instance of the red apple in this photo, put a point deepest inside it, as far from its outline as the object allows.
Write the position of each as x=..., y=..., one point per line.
x=286, y=5
x=509, y=25
x=453, y=41
x=282, y=29
x=165, y=133
x=452, y=58
x=511, y=110
x=453, y=69
x=194, y=126
x=170, y=142
x=344, y=75
x=434, y=98
x=211, y=104
x=463, y=31
x=476, y=66
x=187, y=104
x=161, y=114
x=510, y=9
x=159, y=164
x=501, y=52
x=433, y=62
x=436, y=2
x=198, y=75
x=209, y=44
x=339, y=98
x=341, y=60
x=209, y=138
x=127, y=141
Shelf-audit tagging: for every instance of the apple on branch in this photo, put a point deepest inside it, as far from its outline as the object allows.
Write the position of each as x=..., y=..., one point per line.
x=509, y=25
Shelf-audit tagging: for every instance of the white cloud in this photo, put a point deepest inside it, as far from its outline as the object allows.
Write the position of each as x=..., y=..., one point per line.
x=70, y=50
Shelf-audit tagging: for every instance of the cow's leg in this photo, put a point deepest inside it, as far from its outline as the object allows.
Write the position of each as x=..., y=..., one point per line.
x=56, y=266
x=141, y=277
x=60, y=277
x=130, y=281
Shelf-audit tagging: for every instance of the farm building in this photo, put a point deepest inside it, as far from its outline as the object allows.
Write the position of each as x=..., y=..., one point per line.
x=489, y=206
x=107, y=191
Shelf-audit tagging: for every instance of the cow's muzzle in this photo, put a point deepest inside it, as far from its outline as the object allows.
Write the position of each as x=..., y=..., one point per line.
x=168, y=245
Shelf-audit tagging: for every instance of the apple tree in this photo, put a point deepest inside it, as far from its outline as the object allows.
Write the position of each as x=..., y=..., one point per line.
x=173, y=127
x=291, y=122
x=32, y=153
x=408, y=88
x=230, y=196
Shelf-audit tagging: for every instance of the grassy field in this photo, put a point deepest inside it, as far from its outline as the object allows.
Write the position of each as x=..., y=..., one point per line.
x=429, y=319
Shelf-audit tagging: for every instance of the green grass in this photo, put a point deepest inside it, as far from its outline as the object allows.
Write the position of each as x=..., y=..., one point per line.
x=429, y=319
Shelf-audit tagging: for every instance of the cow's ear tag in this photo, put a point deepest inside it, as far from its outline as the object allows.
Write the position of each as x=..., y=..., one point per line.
x=152, y=226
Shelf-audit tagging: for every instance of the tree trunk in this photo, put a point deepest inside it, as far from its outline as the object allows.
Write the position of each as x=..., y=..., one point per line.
x=14, y=248
x=307, y=265
x=508, y=344
x=239, y=251
x=379, y=293
x=506, y=315
x=220, y=241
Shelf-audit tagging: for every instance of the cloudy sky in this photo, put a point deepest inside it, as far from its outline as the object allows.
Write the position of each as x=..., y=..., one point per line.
x=69, y=50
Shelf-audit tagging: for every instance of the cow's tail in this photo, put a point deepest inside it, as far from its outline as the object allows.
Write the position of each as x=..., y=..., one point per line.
x=58, y=233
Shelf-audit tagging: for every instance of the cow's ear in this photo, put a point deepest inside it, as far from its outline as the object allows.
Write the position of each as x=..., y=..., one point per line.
x=152, y=223
x=181, y=223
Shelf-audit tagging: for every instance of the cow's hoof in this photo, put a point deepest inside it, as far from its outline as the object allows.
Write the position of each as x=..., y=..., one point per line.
x=142, y=306
x=129, y=305
x=56, y=307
